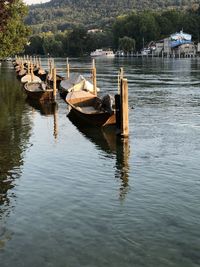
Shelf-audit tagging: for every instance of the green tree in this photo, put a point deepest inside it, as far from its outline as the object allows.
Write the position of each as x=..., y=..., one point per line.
x=52, y=45
x=14, y=33
x=4, y=12
x=127, y=44
x=148, y=28
x=77, y=42
x=35, y=45
x=99, y=40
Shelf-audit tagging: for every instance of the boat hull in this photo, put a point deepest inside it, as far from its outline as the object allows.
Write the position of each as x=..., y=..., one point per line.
x=99, y=119
x=38, y=94
x=84, y=106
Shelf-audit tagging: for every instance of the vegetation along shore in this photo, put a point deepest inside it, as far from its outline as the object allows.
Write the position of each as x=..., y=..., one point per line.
x=75, y=28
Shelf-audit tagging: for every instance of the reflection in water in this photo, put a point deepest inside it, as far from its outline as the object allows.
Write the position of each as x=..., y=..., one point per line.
x=5, y=236
x=14, y=136
x=106, y=140
x=46, y=109
x=122, y=164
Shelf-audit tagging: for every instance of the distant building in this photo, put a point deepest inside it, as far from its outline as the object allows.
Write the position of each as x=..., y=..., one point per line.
x=159, y=47
x=186, y=50
x=167, y=46
x=94, y=30
x=180, y=38
x=177, y=44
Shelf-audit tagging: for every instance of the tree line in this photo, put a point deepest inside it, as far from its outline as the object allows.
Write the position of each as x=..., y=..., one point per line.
x=148, y=26
x=76, y=42
x=128, y=33
x=66, y=14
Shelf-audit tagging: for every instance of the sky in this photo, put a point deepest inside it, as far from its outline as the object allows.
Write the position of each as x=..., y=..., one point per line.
x=29, y=2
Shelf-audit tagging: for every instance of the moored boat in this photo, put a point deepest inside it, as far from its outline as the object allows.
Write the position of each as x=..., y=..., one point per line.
x=38, y=91
x=90, y=109
x=102, y=53
x=76, y=82
x=22, y=72
x=30, y=78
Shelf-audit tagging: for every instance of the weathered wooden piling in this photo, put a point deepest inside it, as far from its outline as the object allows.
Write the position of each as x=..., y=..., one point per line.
x=50, y=66
x=28, y=68
x=124, y=108
x=118, y=112
x=121, y=103
x=32, y=74
x=54, y=84
x=120, y=76
x=94, y=77
x=68, y=69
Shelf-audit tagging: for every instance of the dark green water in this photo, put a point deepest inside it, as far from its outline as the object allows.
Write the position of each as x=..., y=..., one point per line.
x=73, y=197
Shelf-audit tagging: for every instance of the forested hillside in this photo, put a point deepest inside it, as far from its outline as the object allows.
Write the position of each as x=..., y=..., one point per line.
x=128, y=33
x=64, y=14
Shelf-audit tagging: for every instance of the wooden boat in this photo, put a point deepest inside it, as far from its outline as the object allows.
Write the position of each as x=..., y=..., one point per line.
x=76, y=82
x=17, y=68
x=38, y=91
x=30, y=78
x=21, y=73
x=90, y=109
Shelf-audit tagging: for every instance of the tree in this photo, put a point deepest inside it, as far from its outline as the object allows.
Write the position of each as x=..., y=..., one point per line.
x=148, y=28
x=77, y=42
x=35, y=45
x=99, y=40
x=13, y=32
x=52, y=46
x=127, y=44
x=4, y=12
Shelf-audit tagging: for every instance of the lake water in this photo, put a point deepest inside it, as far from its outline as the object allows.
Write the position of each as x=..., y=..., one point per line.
x=73, y=197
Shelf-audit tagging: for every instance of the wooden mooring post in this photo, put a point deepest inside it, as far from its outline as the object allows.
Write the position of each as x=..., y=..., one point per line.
x=68, y=69
x=121, y=103
x=32, y=74
x=94, y=77
x=28, y=68
x=124, y=108
x=54, y=84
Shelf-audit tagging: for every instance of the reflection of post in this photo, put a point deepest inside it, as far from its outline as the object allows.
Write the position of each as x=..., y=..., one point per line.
x=5, y=236
x=55, y=122
x=122, y=164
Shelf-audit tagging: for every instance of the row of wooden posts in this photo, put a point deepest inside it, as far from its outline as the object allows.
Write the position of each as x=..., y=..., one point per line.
x=121, y=98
